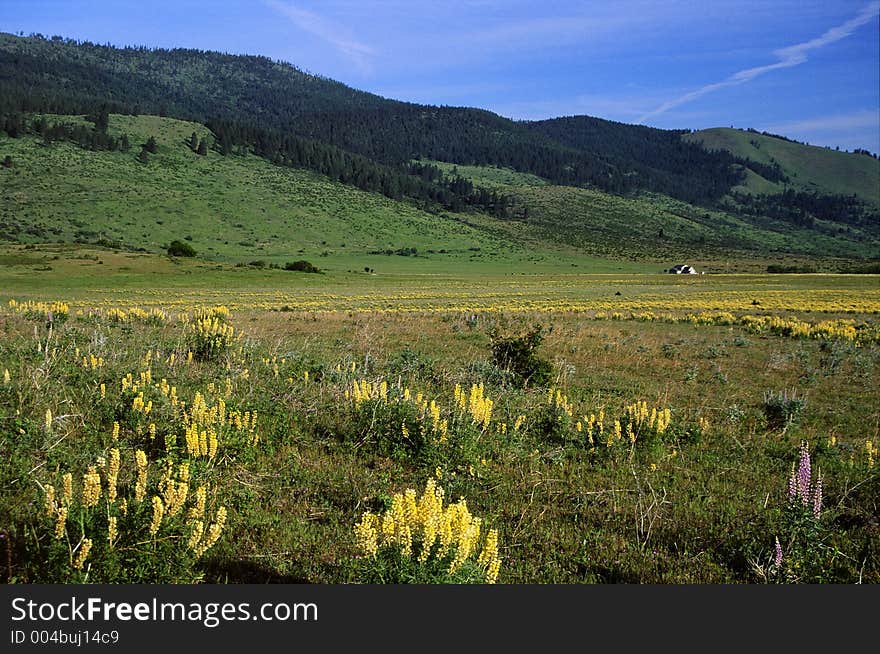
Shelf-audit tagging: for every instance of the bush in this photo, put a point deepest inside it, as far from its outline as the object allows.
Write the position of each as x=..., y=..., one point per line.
x=181, y=249
x=782, y=409
x=210, y=337
x=516, y=354
x=301, y=266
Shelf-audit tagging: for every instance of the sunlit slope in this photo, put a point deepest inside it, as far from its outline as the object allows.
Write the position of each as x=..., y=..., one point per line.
x=653, y=227
x=233, y=208
x=807, y=166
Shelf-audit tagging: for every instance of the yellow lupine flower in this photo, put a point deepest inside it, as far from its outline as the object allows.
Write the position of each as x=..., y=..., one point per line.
x=704, y=425
x=67, y=487
x=140, y=490
x=158, y=513
x=61, y=522
x=425, y=520
x=112, y=474
x=50, y=500
x=81, y=554
x=493, y=570
x=366, y=534
x=213, y=533
x=112, y=532
x=198, y=529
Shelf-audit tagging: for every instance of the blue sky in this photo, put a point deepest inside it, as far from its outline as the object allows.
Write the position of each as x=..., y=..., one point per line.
x=803, y=68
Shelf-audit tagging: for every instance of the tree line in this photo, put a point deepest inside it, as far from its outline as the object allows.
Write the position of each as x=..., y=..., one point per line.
x=804, y=208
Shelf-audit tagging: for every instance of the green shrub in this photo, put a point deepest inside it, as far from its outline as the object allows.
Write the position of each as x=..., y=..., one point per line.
x=301, y=266
x=782, y=409
x=181, y=249
x=516, y=354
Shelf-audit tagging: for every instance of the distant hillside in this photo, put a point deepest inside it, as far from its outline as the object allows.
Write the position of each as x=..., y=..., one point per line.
x=240, y=208
x=297, y=162
x=658, y=227
x=234, y=208
x=261, y=104
x=807, y=167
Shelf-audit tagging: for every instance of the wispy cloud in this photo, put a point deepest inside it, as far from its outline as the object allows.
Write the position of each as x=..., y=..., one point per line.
x=555, y=30
x=360, y=54
x=834, y=123
x=787, y=57
x=857, y=129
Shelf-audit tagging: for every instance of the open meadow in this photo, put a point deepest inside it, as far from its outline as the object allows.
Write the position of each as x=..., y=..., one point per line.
x=169, y=420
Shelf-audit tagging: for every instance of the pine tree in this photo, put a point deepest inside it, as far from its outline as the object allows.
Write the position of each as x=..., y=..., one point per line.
x=143, y=157
x=193, y=142
x=203, y=147
x=150, y=145
x=102, y=120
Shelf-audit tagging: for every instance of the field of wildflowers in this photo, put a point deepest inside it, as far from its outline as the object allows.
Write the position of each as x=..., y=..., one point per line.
x=197, y=441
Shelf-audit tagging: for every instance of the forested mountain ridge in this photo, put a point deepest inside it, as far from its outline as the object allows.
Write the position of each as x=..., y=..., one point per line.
x=270, y=100
x=252, y=104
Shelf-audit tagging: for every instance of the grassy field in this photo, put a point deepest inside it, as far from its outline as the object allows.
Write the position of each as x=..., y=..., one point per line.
x=808, y=166
x=588, y=418
x=80, y=276
x=313, y=400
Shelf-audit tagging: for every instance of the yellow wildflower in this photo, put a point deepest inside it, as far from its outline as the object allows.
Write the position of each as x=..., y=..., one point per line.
x=112, y=532
x=83, y=552
x=50, y=500
x=140, y=489
x=158, y=513
x=60, y=522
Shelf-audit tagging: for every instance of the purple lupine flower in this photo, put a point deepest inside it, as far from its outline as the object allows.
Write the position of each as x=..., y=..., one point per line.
x=792, y=484
x=817, y=495
x=777, y=559
x=804, y=475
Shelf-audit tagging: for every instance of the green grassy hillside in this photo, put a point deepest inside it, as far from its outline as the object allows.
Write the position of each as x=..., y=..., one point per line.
x=807, y=166
x=239, y=209
x=658, y=228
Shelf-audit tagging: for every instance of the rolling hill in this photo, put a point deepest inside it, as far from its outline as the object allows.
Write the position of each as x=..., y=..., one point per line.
x=298, y=165
x=807, y=167
x=271, y=106
x=242, y=209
